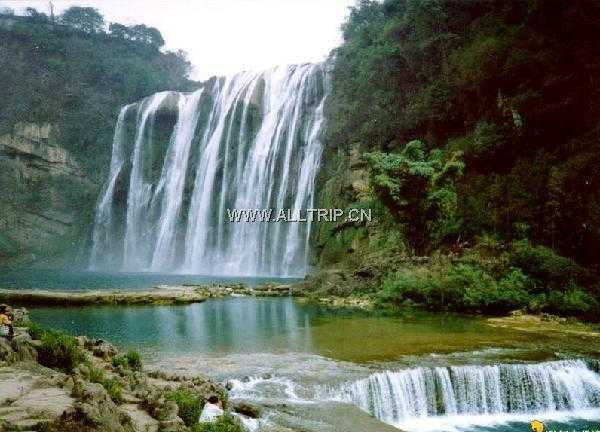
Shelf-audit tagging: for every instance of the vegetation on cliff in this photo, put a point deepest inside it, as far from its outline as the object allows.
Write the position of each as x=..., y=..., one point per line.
x=64, y=80
x=505, y=88
x=72, y=73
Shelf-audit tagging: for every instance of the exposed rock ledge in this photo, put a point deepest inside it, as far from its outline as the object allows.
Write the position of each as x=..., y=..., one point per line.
x=35, y=398
x=34, y=142
x=79, y=298
x=162, y=294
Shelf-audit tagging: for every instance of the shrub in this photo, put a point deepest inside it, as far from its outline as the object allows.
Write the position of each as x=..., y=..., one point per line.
x=112, y=387
x=58, y=350
x=514, y=291
x=462, y=288
x=409, y=284
x=190, y=405
x=96, y=375
x=131, y=360
x=226, y=423
x=35, y=330
x=574, y=302
x=551, y=270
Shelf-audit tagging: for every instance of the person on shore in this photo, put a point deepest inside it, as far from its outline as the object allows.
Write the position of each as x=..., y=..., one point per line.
x=6, y=322
x=213, y=409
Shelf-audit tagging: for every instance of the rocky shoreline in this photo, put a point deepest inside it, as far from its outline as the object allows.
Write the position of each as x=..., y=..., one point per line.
x=159, y=295
x=103, y=390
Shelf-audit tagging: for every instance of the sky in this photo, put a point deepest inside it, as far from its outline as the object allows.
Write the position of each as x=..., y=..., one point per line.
x=223, y=37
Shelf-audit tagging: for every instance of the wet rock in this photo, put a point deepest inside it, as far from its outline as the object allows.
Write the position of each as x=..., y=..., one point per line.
x=104, y=350
x=246, y=408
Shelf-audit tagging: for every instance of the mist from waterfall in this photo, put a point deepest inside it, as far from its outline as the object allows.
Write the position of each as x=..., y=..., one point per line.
x=179, y=161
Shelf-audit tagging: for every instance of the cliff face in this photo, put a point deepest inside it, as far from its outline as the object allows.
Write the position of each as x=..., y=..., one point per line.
x=47, y=200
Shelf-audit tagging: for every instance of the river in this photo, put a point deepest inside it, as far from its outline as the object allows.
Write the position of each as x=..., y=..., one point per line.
x=415, y=371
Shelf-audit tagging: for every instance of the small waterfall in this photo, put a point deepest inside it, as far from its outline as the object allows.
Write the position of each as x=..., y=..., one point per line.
x=474, y=390
x=250, y=141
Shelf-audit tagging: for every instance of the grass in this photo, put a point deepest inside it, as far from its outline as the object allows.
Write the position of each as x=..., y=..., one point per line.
x=57, y=350
x=112, y=387
x=190, y=405
x=226, y=423
x=131, y=360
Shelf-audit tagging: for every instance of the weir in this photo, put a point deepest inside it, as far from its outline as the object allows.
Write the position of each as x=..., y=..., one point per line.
x=396, y=396
x=179, y=161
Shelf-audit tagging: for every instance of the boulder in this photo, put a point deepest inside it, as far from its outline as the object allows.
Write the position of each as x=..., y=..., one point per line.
x=7, y=353
x=139, y=419
x=246, y=408
x=104, y=350
x=24, y=347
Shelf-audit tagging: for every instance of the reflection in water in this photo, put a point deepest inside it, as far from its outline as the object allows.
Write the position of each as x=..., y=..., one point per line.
x=281, y=325
x=292, y=351
x=216, y=326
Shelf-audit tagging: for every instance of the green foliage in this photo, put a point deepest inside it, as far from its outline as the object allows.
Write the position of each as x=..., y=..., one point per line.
x=86, y=19
x=137, y=33
x=573, y=302
x=418, y=187
x=57, y=350
x=225, y=423
x=498, y=81
x=114, y=389
x=551, y=271
x=76, y=77
x=461, y=288
x=131, y=360
x=112, y=386
x=190, y=405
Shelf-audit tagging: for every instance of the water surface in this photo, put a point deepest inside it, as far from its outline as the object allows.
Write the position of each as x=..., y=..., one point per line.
x=279, y=325
x=88, y=280
x=276, y=349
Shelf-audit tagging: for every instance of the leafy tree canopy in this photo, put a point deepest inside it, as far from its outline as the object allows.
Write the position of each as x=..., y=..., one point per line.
x=86, y=19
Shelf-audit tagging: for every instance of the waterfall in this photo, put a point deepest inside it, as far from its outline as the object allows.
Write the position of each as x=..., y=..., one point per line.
x=395, y=396
x=250, y=141
x=103, y=221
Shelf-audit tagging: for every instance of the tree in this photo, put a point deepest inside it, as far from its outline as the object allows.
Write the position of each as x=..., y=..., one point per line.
x=148, y=35
x=7, y=11
x=138, y=33
x=86, y=19
x=419, y=190
x=35, y=15
x=119, y=30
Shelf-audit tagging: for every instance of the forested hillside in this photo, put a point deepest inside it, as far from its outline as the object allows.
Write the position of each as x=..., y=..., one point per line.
x=64, y=80
x=473, y=131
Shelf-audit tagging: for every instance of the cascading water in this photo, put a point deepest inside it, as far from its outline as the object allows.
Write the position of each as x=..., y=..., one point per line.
x=251, y=141
x=395, y=397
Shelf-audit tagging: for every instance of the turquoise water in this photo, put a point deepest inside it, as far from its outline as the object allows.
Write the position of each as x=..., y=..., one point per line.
x=276, y=325
x=301, y=348
x=86, y=280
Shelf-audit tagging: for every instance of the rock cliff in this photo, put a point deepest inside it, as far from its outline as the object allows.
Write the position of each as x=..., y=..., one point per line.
x=47, y=200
